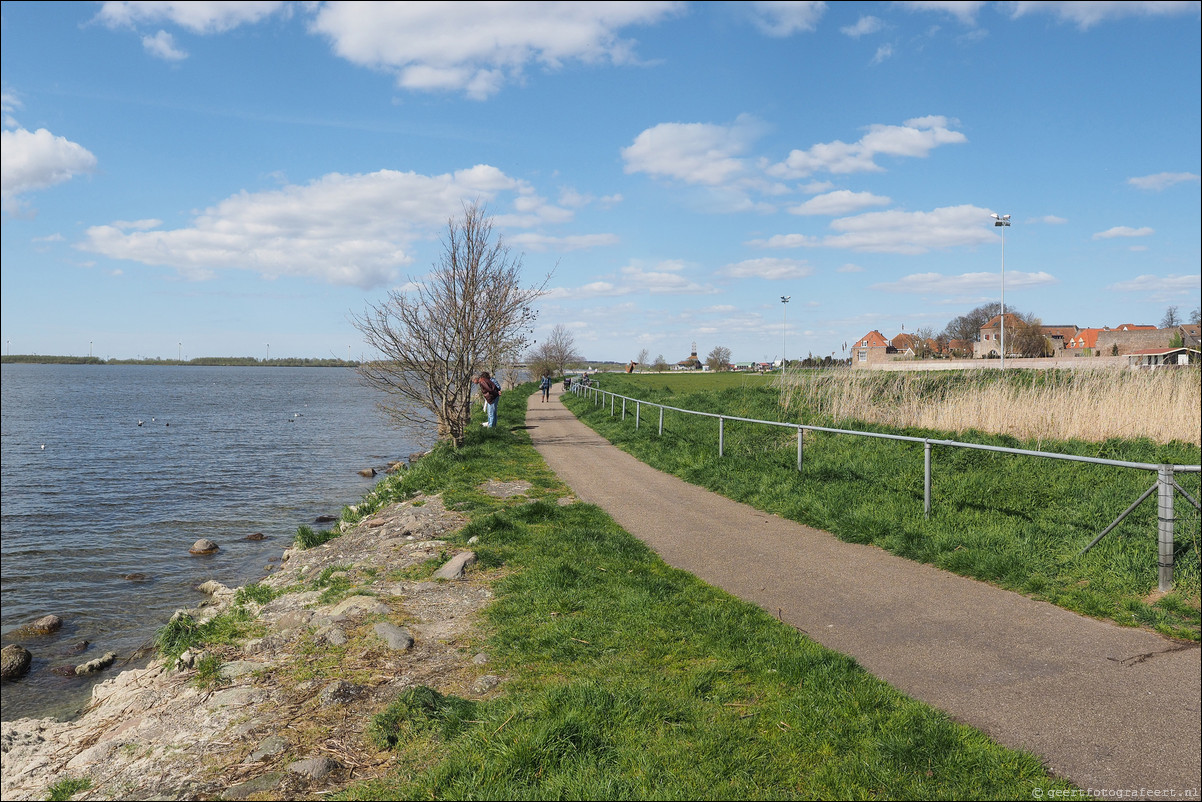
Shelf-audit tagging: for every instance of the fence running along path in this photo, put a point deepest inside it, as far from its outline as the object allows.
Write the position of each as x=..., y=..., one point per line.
x=1165, y=486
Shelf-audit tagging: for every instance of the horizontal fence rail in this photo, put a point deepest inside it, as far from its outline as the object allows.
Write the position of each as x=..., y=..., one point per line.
x=1165, y=485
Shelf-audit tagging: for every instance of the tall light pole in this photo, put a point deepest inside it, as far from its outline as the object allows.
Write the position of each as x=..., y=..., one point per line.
x=268, y=352
x=784, y=329
x=1004, y=223
x=179, y=354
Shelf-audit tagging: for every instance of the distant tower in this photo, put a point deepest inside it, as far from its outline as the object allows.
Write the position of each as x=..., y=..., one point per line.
x=694, y=351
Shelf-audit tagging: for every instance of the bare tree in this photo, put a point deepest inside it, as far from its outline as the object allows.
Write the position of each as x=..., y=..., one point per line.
x=968, y=327
x=470, y=313
x=644, y=355
x=1171, y=319
x=925, y=347
x=554, y=354
x=1195, y=317
x=719, y=358
x=1026, y=338
x=660, y=364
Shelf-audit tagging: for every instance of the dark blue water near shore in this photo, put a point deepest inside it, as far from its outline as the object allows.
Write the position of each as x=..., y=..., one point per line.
x=90, y=497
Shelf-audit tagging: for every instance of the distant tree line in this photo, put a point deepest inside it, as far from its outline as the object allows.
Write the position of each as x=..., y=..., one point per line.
x=204, y=361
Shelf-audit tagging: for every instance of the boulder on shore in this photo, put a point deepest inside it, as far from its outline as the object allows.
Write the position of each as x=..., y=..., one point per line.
x=203, y=546
x=15, y=661
x=99, y=664
x=368, y=472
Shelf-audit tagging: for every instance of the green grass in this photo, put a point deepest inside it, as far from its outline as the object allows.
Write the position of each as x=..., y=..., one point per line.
x=67, y=788
x=1018, y=522
x=629, y=679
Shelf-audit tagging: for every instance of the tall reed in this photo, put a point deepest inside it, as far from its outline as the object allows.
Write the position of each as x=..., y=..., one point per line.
x=1092, y=405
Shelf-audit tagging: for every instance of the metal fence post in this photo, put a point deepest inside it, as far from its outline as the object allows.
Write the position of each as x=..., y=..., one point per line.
x=638, y=408
x=1165, y=519
x=926, y=479
x=800, y=429
x=613, y=404
x=721, y=433
x=623, y=408
x=661, y=421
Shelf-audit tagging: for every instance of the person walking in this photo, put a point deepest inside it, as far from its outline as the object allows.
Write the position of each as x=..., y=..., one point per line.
x=545, y=386
x=491, y=393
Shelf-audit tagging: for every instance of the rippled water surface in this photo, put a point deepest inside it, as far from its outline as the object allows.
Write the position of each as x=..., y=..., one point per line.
x=91, y=497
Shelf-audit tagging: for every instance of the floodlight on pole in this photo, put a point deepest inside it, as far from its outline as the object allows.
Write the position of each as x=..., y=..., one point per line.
x=784, y=329
x=1002, y=222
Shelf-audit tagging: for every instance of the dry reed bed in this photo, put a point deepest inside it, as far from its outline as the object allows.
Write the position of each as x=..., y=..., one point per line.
x=1091, y=405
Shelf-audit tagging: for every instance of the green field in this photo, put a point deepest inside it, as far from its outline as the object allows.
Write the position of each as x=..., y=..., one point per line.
x=1018, y=522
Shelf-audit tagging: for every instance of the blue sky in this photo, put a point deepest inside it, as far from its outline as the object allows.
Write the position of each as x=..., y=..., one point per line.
x=212, y=179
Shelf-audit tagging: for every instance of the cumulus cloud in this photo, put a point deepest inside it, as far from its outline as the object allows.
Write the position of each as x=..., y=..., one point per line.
x=840, y=201
x=1049, y=219
x=1161, y=181
x=965, y=283
x=883, y=53
x=696, y=153
x=781, y=19
x=963, y=10
x=850, y=268
x=1124, y=231
x=162, y=45
x=34, y=160
x=198, y=16
x=477, y=48
x=916, y=138
x=637, y=278
x=767, y=268
x=341, y=229
x=864, y=26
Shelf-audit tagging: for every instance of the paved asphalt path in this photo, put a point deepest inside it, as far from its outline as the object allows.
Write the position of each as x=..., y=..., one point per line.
x=1110, y=708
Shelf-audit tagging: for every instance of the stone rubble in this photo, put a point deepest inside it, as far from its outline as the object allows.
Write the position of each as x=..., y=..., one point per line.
x=285, y=717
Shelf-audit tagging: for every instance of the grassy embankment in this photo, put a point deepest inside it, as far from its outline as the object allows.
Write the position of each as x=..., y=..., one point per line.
x=628, y=679
x=1018, y=522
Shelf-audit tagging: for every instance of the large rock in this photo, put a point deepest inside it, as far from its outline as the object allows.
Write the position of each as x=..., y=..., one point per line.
x=203, y=546
x=454, y=567
x=14, y=661
x=99, y=664
x=46, y=625
x=397, y=638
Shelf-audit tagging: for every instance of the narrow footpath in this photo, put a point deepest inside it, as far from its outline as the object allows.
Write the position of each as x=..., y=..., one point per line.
x=1116, y=710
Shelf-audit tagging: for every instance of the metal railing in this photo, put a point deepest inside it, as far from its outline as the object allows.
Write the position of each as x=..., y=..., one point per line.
x=1165, y=487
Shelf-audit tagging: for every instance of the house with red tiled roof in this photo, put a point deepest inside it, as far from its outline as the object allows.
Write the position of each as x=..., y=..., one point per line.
x=906, y=345
x=1059, y=335
x=990, y=343
x=872, y=347
x=1133, y=327
x=1084, y=338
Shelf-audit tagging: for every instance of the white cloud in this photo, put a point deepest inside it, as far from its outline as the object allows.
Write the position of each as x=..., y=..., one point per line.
x=883, y=53
x=162, y=45
x=636, y=278
x=963, y=10
x=696, y=153
x=864, y=26
x=898, y=232
x=477, y=48
x=916, y=138
x=1162, y=289
x=1087, y=14
x=767, y=268
x=198, y=16
x=850, y=268
x=1124, y=231
x=1161, y=181
x=1049, y=219
x=840, y=201
x=780, y=19
x=965, y=283
x=542, y=242
x=340, y=229
x=35, y=160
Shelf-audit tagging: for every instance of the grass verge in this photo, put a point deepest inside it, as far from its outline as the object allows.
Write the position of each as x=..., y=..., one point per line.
x=629, y=679
x=1018, y=522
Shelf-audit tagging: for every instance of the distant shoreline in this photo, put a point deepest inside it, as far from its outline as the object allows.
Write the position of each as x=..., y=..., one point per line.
x=204, y=361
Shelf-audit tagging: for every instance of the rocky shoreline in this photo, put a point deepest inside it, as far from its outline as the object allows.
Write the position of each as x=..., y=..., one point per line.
x=285, y=715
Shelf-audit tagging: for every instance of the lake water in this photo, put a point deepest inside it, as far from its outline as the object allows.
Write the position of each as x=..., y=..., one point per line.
x=90, y=497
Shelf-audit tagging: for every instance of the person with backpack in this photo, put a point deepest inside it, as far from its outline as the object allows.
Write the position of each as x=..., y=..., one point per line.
x=545, y=386
x=491, y=392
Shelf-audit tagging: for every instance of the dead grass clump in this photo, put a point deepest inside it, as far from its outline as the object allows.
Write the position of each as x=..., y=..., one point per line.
x=1092, y=405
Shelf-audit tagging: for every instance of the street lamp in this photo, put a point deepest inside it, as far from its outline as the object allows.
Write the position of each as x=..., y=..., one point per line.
x=1004, y=223
x=784, y=329
x=179, y=354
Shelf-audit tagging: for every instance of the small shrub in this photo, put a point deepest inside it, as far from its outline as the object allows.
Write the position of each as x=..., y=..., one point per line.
x=208, y=672
x=258, y=593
